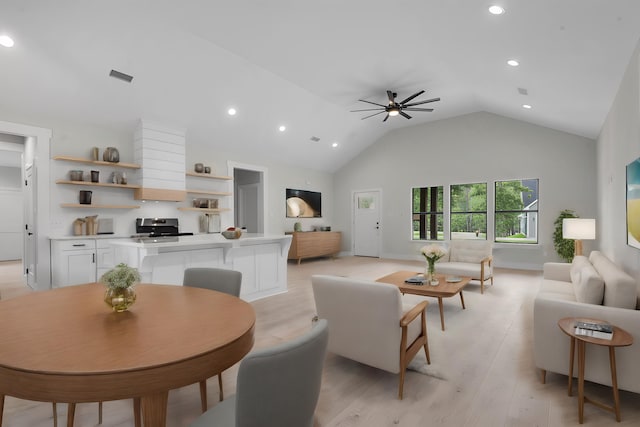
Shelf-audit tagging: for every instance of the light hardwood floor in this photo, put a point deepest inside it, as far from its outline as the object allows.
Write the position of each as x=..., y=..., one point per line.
x=482, y=365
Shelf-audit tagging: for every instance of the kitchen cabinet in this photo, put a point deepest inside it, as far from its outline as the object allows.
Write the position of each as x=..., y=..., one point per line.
x=73, y=262
x=98, y=184
x=78, y=261
x=312, y=244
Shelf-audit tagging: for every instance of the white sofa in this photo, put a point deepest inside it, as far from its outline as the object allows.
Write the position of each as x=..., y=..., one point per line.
x=593, y=288
x=471, y=258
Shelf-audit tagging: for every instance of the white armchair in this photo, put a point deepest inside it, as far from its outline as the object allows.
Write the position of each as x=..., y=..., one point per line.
x=369, y=324
x=471, y=258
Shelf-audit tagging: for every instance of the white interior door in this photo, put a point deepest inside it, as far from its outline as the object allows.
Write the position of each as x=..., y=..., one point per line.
x=366, y=221
x=29, y=248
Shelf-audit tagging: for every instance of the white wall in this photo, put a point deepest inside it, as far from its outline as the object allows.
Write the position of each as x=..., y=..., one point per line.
x=619, y=145
x=479, y=147
x=77, y=139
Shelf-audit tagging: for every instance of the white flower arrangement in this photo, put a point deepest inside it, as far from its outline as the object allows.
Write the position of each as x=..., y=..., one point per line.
x=433, y=252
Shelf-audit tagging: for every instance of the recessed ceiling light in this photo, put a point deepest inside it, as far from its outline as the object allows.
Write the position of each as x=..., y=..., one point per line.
x=282, y=128
x=334, y=145
x=513, y=62
x=232, y=111
x=527, y=106
x=6, y=41
x=496, y=10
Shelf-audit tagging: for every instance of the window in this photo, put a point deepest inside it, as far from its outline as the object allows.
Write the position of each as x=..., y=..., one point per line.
x=469, y=211
x=516, y=218
x=427, y=213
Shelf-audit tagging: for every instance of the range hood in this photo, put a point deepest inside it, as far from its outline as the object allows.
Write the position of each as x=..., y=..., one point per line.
x=160, y=150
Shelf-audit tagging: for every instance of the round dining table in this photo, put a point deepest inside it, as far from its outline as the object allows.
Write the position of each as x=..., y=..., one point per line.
x=66, y=345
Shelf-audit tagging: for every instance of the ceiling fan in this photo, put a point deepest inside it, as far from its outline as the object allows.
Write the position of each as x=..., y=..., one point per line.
x=394, y=108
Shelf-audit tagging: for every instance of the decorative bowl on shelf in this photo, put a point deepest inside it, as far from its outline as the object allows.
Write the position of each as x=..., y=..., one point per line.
x=232, y=234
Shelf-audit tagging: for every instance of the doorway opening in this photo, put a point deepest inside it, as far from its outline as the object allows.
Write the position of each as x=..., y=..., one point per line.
x=250, y=201
x=32, y=143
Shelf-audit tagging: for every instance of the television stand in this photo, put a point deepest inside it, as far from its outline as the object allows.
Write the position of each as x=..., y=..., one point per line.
x=313, y=244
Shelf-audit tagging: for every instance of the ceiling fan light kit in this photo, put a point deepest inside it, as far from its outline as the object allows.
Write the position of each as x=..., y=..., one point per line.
x=397, y=108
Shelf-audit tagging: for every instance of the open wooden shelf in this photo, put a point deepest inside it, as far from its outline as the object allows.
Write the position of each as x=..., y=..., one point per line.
x=210, y=193
x=205, y=210
x=78, y=205
x=208, y=175
x=98, y=184
x=98, y=162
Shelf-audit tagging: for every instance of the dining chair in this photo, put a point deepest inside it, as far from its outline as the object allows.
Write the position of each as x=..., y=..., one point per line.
x=216, y=279
x=277, y=386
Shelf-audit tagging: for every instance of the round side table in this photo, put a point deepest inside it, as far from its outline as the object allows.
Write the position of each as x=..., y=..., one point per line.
x=620, y=338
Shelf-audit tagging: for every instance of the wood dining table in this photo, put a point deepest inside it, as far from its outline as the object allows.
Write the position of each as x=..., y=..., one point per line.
x=67, y=346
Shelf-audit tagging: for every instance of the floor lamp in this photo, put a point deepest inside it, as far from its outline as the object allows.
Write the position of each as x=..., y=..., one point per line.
x=578, y=229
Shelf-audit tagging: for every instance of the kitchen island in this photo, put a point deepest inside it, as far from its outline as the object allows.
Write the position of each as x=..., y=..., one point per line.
x=262, y=259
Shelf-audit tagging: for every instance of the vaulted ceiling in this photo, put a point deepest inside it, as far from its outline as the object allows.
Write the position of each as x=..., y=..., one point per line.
x=305, y=64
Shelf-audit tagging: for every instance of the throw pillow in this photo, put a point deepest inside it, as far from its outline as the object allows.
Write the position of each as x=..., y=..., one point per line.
x=589, y=288
x=578, y=262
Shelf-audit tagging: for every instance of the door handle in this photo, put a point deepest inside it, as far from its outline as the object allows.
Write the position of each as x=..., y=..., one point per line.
x=29, y=234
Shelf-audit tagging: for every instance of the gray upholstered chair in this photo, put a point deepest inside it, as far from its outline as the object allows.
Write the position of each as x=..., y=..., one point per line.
x=216, y=279
x=369, y=323
x=277, y=386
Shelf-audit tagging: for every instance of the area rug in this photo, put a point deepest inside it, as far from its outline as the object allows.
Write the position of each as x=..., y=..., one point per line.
x=419, y=364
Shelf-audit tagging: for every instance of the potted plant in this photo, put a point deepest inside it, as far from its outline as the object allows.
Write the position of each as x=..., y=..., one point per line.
x=120, y=281
x=564, y=247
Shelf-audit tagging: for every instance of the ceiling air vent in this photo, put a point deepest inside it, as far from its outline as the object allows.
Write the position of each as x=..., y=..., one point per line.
x=122, y=76
x=315, y=139
x=522, y=91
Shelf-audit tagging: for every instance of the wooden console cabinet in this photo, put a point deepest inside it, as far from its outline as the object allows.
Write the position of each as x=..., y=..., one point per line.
x=311, y=244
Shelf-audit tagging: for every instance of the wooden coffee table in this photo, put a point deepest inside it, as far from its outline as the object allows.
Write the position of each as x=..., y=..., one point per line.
x=620, y=338
x=443, y=290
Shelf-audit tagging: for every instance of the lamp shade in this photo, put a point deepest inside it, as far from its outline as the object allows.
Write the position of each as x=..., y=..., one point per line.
x=579, y=228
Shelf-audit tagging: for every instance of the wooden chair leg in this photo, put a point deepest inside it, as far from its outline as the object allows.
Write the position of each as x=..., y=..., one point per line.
x=137, y=418
x=54, y=408
x=1, y=407
x=543, y=373
x=71, y=414
x=203, y=395
x=220, y=386
x=99, y=412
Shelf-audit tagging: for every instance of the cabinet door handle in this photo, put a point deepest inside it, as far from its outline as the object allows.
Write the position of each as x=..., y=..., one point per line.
x=93, y=256
x=79, y=244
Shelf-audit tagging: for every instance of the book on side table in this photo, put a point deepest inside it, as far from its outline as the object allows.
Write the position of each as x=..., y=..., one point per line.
x=595, y=330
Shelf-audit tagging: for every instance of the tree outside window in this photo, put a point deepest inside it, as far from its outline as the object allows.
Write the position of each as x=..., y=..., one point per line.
x=516, y=211
x=427, y=213
x=469, y=211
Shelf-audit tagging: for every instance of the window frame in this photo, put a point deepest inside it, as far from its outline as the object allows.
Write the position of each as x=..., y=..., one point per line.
x=485, y=212
x=425, y=214
x=496, y=213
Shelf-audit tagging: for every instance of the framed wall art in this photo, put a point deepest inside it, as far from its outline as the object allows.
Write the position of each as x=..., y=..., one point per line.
x=633, y=203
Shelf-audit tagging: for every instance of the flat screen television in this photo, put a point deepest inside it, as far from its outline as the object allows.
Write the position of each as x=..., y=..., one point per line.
x=303, y=204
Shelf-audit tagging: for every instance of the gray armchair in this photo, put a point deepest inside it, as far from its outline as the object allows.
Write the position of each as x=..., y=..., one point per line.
x=277, y=387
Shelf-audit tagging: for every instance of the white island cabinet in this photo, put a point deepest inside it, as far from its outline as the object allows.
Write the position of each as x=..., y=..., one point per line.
x=262, y=259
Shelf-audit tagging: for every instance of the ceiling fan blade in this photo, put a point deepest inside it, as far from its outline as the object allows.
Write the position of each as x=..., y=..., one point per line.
x=422, y=102
x=373, y=115
x=385, y=119
x=418, y=109
x=403, y=114
x=412, y=96
x=374, y=103
x=391, y=97
x=367, y=109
